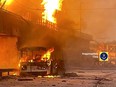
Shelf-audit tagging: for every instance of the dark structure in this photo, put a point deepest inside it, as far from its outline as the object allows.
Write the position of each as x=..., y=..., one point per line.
x=73, y=51
x=67, y=44
x=10, y=31
x=11, y=24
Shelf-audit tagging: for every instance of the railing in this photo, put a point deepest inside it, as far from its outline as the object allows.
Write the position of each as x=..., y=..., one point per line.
x=47, y=24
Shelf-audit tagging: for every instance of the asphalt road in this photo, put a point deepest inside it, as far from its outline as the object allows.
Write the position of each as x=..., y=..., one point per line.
x=85, y=78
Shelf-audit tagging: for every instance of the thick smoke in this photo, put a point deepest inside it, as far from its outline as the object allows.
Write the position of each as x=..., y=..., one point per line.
x=66, y=40
x=94, y=17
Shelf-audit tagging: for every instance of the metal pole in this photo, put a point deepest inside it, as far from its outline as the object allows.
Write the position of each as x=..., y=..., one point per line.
x=0, y=2
x=3, y=4
x=80, y=19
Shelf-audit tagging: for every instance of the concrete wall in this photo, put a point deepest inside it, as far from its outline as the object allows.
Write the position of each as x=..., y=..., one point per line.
x=8, y=52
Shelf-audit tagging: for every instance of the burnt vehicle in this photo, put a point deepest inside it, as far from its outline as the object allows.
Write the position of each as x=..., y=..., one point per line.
x=39, y=61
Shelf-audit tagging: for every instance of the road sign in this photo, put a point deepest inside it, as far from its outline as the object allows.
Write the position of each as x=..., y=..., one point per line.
x=103, y=56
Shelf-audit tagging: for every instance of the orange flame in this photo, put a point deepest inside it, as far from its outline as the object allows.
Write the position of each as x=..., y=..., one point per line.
x=51, y=6
x=24, y=59
x=19, y=63
x=47, y=55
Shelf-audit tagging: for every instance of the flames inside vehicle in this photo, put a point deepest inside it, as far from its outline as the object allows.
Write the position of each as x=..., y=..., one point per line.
x=38, y=61
x=35, y=61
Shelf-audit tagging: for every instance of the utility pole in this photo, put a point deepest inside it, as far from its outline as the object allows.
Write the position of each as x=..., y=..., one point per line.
x=80, y=19
x=3, y=4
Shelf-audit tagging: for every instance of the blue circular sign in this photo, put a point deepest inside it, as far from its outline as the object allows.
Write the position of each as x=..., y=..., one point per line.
x=104, y=56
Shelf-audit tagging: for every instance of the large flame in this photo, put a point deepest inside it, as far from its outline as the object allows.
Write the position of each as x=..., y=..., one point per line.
x=7, y=2
x=51, y=6
x=47, y=55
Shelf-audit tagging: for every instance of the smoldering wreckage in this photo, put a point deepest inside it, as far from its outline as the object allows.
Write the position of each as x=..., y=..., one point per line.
x=34, y=49
x=44, y=50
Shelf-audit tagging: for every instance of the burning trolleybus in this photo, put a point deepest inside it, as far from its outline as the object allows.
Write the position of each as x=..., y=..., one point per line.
x=38, y=61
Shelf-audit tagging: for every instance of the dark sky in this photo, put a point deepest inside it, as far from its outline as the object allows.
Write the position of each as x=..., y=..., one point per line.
x=95, y=17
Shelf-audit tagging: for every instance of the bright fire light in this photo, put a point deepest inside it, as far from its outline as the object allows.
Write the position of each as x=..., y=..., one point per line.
x=51, y=6
x=47, y=55
x=19, y=64
x=7, y=2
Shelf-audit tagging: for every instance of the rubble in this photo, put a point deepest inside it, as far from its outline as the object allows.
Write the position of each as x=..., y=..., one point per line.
x=53, y=85
x=63, y=80
x=70, y=75
x=88, y=79
x=25, y=79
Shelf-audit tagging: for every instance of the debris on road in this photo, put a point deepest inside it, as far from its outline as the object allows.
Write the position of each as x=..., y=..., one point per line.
x=70, y=75
x=25, y=79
